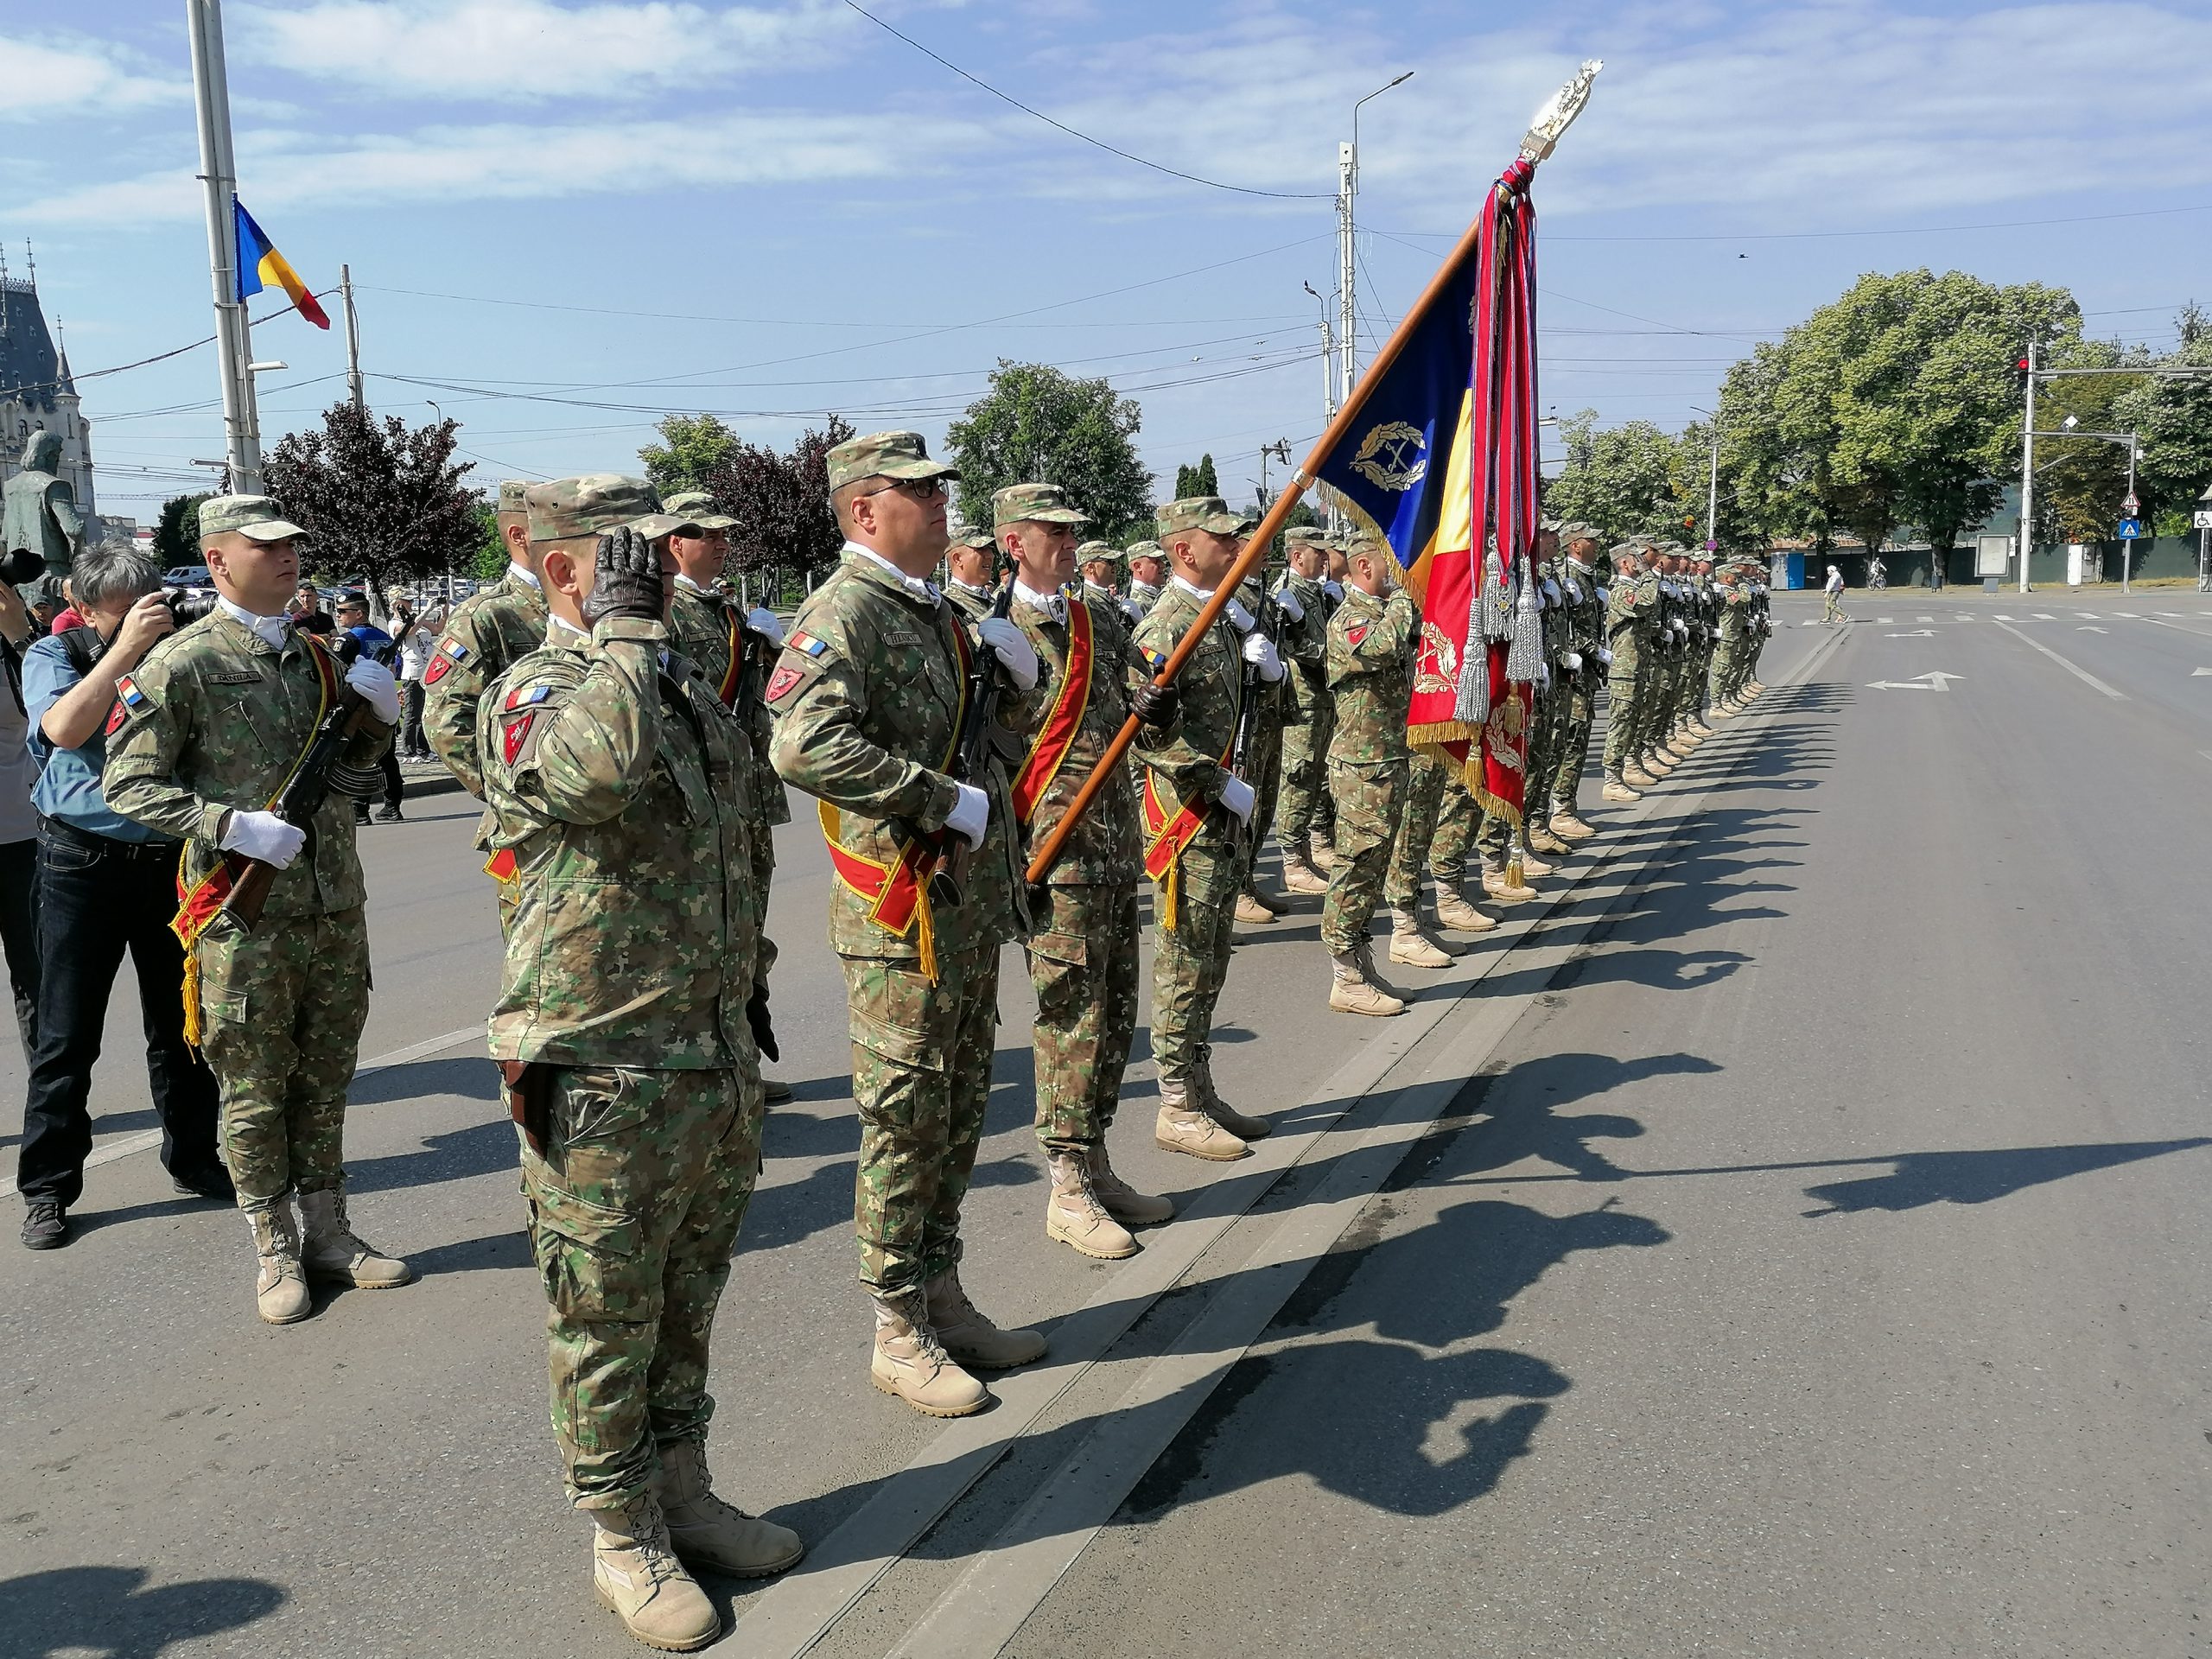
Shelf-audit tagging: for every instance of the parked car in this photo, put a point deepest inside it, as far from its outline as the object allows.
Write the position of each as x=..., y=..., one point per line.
x=192, y=578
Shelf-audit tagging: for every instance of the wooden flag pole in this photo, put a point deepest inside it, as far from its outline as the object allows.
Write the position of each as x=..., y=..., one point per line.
x=1255, y=547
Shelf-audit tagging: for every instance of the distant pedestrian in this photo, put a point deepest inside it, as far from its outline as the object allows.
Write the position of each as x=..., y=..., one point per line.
x=418, y=637
x=1835, y=611
x=376, y=647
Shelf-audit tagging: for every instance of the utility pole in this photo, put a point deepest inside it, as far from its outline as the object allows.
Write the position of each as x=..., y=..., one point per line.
x=1279, y=450
x=1328, y=386
x=1347, y=253
x=353, y=340
x=218, y=173
x=2028, y=471
x=2131, y=507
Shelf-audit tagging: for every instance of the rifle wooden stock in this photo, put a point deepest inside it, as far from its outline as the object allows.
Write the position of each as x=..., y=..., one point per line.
x=1255, y=547
x=250, y=888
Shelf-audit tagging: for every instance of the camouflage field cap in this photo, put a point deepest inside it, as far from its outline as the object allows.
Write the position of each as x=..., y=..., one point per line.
x=884, y=455
x=596, y=502
x=1047, y=504
x=976, y=538
x=1207, y=512
x=699, y=507
x=1577, y=530
x=254, y=516
x=513, y=495
x=1624, y=550
x=1090, y=551
x=1146, y=551
x=1305, y=536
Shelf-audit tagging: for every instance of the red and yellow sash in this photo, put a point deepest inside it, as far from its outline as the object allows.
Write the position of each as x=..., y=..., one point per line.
x=1056, y=737
x=1168, y=835
x=896, y=894
x=728, y=690
x=198, y=906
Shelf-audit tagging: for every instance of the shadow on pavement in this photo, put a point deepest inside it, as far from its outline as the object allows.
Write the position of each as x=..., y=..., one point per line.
x=1925, y=1178
x=109, y=1610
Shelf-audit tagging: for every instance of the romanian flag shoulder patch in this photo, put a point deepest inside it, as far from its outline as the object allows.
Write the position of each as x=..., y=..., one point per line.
x=450, y=654
x=129, y=702
x=524, y=697
x=802, y=640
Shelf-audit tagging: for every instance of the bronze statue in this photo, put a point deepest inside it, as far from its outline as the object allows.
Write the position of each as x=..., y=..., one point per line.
x=39, y=510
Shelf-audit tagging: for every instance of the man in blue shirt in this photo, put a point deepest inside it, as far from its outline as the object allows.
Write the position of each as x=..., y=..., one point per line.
x=105, y=885
x=379, y=647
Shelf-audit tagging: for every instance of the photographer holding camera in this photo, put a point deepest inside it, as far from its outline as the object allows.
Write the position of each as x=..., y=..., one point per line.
x=379, y=647
x=107, y=884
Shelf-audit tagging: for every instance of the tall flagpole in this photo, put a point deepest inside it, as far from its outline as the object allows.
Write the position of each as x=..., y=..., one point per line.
x=218, y=173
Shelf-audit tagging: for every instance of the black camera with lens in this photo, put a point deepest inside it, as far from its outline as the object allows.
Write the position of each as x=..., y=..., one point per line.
x=22, y=566
x=186, y=608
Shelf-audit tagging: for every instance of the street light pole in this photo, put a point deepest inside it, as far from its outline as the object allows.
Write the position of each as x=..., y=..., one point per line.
x=1347, y=188
x=218, y=173
x=353, y=340
x=2028, y=471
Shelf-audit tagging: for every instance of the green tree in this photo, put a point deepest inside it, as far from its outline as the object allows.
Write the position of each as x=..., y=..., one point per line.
x=781, y=503
x=1201, y=480
x=1036, y=424
x=176, y=532
x=2174, y=418
x=492, y=556
x=380, y=499
x=1632, y=480
x=692, y=447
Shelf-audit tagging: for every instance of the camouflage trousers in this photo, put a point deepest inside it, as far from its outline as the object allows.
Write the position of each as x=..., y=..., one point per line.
x=1305, y=778
x=1083, y=964
x=1622, y=683
x=1578, y=710
x=633, y=1211
x=1458, y=821
x=1190, y=960
x=921, y=1078
x=1263, y=771
x=1370, y=796
x=282, y=1009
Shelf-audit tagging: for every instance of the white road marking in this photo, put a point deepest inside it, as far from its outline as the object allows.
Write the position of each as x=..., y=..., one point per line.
x=1934, y=680
x=2081, y=674
x=1916, y=634
x=2004, y=619
x=2177, y=627
x=2131, y=615
x=2092, y=615
x=1886, y=621
x=2199, y=673
x=2046, y=616
x=2086, y=628
x=1924, y=618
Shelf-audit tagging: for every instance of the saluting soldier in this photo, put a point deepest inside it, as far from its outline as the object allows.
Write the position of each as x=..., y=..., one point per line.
x=627, y=1028
x=734, y=650
x=1309, y=711
x=971, y=569
x=1148, y=569
x=1083, y=925
x=1625, y=609
x=1372, y=641
x=868, y=697
x=205, y=732
x=1584, y=663
x=1196, y=814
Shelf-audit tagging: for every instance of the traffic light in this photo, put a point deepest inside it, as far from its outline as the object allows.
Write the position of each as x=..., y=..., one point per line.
x=2022, y=366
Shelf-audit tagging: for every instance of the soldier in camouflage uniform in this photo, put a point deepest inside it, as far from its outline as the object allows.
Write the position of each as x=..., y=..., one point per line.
x=970, y=563
x=1506, y=841
x=1196, y=813
x=1148, y=569
x=1372, y=639
x=1321, y=851
x=1257, y=617
x=734, y=651
x=627, y=1028
x=1626, y=610
x=1584, y=663
x=1662, y=663
x=1309, y=714
x=1100, y=565
x=1083, y=926
x=867, y=697
x=206, y=732
x=497, y=625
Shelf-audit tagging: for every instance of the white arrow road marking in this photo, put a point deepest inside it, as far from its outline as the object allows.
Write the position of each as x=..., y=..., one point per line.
x=1924, y=618
x=2081, y=674
x=1935, y=680
x=1917, y=633
x=2199, y=673
x=2086, y=628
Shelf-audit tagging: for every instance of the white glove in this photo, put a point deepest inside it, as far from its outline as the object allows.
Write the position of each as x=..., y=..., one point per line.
x=1551, y=591
x=766, y=623
x=1336, y=588
x=1012, y=647
x=262, y=836
x=1544, y=675
x=1604, y=658
x=1133, y=610
x=1237, y=798
x=1287, y=602
x=1239, y=618
x=1260, y=651
x=1574, y=589
x=1574, y=661
x=1604, y=596
x=969, y=814
x=377, y=687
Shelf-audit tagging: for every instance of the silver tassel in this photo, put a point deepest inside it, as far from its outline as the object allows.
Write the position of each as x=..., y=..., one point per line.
x=1524, y=660
x=1496, y=599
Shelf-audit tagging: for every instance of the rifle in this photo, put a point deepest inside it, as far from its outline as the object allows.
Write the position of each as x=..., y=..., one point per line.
x=971, y=753
x=304, y=795
x=1264, y=626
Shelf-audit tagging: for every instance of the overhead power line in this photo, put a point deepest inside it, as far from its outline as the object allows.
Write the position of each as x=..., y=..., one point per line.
x=1096, y=144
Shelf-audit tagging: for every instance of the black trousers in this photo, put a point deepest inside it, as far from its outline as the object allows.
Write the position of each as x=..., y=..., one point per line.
x=19, y=931
x=96, y=898
x=411, y=697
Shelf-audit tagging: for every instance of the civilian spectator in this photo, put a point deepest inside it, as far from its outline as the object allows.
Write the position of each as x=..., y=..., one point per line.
x=45, y=600
x=379, y=647
x=418, y=638
x=307, y=606
x=71, y=616
x=18, y=821
x=105, y=885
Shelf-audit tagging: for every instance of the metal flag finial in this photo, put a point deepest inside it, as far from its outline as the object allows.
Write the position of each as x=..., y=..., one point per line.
x=1558, y=112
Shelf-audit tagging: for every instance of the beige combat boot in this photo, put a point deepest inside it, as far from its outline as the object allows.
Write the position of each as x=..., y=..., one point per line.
x=1350, y=991
x=1722, y=710
x=1075, y=1215
x=1250, y=910
x=1411, y=945
x=1453, y=912
x=967, y=1334
x=774, y=1091
x=1496, y=878
x=1123, y=1202
x=912, y=1363
x=706, y=1532
x=1184, y=1127
x=1635, y=776
x=639, y=1580
x=1532, y=865
x=1658, y=763
x=1544, y=839
x=1568, y=826
x=1698, y=728
x=1321, y=853
x=1211, y=1102
x=280, y=1294
x=1299, y=876
x=332, y=1251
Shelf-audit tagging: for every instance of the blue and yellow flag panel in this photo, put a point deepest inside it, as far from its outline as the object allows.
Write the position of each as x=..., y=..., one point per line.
x=261, y=266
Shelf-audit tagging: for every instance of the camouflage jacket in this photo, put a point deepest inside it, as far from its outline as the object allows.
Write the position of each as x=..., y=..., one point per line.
x=1625, y=619
x=969, y=603
x=1143, y=597
x=1586, y=613
x=492, y=629
x=867, y=697
x=1270, y=698
x=1372, y=643
x=1192, y=761
x=1106, y=848
x=1304, y=646
x=214, y=719
x=702, y=625
x=622, y=786
x=1559, y=629
x=1653, y=611
x=1736, y=609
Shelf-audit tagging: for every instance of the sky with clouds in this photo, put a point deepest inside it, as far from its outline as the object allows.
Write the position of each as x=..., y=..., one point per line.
x=565, y=218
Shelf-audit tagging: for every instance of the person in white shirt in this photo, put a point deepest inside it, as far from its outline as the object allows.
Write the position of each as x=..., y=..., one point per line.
x=1835, y=611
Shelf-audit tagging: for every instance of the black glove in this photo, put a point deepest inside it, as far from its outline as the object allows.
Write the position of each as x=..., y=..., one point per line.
x=1155, y=705
x=629, y=581
x=756, y=1015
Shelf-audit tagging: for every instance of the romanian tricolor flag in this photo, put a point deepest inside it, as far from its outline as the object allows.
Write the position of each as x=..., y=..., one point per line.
x=260, y=265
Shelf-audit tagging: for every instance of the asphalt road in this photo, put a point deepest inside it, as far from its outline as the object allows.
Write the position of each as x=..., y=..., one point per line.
x=1791, y=1242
